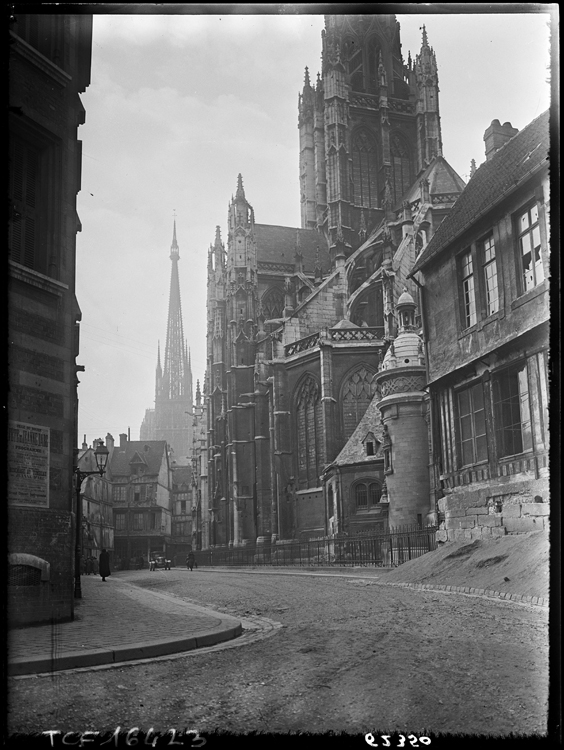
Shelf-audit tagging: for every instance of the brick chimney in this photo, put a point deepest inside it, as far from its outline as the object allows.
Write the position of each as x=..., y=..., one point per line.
x=109, y=442
x=496, y=136
x=123, y=440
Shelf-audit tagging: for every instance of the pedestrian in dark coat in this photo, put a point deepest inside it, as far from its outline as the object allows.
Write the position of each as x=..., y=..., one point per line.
x=105, y=564
x=190, y=560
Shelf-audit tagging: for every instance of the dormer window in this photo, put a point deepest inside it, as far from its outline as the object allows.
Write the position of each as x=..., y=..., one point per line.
x=371, y=445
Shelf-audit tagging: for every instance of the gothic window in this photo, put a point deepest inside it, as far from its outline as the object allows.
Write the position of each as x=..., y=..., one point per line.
x=368, y=309
x=357, y=393
x=273, y=303
x=365, y=165
x=401, y=166
x=310, y=431
x=353, y=56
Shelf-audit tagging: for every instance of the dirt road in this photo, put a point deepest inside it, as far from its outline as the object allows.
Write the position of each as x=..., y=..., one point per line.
x=351, y=656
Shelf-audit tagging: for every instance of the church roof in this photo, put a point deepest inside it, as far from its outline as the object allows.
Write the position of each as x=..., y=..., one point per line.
x=277, y=244
x=442, y=179
x=152, y=451
x=492, y=181
x=354, y=450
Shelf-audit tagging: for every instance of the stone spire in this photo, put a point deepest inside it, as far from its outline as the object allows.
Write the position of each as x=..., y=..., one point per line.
x=173, y=391
x=175, y=359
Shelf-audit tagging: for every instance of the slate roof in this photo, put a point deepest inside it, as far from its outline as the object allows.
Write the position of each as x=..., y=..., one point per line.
x=354, y=451
x=278, y=245
x=153, y=457
x=492, y=181
x=443, y=180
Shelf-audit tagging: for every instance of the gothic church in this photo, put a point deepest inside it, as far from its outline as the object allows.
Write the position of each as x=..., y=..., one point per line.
x=315, y=407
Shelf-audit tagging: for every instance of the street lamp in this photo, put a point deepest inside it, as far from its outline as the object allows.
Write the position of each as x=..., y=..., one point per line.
x=101, y=455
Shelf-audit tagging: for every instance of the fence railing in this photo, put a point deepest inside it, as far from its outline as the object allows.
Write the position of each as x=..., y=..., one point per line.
x=381, y=550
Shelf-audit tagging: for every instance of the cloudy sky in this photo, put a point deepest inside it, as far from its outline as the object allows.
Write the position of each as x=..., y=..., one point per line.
x=178, y=106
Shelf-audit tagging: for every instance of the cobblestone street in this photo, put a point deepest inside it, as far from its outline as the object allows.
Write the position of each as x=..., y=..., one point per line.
x=351, y=656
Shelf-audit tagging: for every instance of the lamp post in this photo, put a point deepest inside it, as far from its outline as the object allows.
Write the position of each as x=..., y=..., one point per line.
x=101, y=454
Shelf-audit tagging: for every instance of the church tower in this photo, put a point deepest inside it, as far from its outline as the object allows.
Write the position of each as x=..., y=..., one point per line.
x=368, y=128
x=172, y=419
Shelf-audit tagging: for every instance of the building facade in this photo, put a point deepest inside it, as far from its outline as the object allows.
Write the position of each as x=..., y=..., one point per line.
x=141, y=476
x=49, y=69
x=484, y=279
x=301, y=320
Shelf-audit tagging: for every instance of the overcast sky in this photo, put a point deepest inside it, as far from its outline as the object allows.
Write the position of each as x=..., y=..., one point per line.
x=178, y=105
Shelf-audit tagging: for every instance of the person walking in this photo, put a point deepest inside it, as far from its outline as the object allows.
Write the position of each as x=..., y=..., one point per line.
x=105, y=564
x=190, y=560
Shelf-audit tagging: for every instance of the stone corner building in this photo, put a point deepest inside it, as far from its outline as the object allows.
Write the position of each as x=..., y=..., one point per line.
x=317, y=413
x=49, y=69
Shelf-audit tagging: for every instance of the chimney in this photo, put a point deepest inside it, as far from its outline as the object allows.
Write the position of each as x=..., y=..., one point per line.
x=84, y=444
x=496, y=136
x=122, y=440
x=109, y=442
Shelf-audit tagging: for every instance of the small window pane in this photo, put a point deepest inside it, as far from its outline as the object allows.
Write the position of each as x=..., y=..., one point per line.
x=526, y=244
x=374, y=493
x=361, y=495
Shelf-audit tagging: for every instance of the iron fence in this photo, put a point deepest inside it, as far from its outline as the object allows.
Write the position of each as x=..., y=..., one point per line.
x=388, y=549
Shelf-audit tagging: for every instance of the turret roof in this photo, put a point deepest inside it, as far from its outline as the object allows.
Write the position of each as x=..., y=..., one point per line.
x=442, y=179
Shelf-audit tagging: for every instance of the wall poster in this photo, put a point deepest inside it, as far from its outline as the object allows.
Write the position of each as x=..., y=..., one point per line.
x=28, y=464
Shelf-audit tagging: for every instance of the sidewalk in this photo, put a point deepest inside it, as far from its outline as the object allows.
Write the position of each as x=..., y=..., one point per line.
x=114, y=622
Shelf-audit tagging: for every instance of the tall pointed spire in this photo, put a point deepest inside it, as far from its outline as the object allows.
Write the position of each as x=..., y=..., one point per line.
x=175, y=355
x=173, y=391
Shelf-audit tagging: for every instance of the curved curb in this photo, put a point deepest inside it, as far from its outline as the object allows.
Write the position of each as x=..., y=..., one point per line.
x=98, y=657
x=538, y=601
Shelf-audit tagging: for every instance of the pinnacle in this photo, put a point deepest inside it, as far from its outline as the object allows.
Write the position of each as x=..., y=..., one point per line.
x=240, y=191
x=424, y=42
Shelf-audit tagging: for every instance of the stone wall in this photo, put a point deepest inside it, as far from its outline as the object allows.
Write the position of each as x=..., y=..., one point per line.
x=495, y=510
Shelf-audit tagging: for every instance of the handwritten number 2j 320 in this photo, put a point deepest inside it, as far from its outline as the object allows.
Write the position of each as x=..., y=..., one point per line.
x=413, y=740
